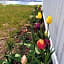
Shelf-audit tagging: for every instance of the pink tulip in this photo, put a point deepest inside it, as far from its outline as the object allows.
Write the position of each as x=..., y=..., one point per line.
x=24, y=59
x=47, y=42
x=37, y=25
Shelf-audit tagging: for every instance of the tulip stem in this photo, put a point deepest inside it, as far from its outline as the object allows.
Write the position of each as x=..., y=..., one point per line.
x=41, y=32
x=48, y=28
x=23, y=43
x=33, y=38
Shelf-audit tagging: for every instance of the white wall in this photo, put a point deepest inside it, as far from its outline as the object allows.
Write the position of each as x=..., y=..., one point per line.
x=55, y=8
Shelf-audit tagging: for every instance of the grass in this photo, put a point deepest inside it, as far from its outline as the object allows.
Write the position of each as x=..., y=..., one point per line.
x=11, y=16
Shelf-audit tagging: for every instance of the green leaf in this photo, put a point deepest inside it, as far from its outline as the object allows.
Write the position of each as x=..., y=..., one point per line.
x=1, y=61
x=4, y=62
x=36, y=50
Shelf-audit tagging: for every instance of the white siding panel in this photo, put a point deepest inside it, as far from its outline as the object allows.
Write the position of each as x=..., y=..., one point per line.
x=55, y=8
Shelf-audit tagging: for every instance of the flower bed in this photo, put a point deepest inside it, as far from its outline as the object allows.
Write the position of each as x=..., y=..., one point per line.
x=30, y=44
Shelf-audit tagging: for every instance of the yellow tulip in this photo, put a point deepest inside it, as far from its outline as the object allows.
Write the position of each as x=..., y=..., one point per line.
x=45, y=33
x=38, y=6
x=39, y=13
x=49, y=20
x=39, y=16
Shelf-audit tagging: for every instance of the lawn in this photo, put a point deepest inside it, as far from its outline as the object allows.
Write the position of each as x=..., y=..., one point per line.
x=12, y=16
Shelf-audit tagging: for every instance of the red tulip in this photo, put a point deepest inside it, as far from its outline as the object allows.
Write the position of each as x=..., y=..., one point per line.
x=25, y=30
x=41, y=44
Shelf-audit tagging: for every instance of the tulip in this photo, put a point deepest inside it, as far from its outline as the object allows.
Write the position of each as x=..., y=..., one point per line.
x=49, y=20
x=47, y=42
x=40, y=9
x=45, y=33
x=24, y=30
x=41, y=44
x=38, y=6
x=24, y=59
x=39, y=16
x=37, y=25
